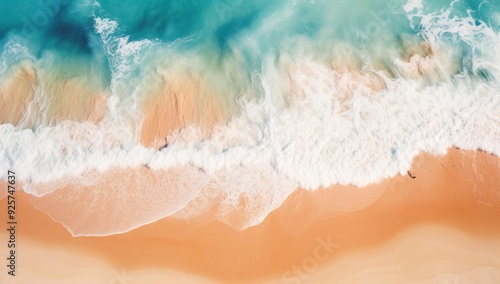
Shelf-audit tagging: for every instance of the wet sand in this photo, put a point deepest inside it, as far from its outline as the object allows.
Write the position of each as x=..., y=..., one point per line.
x=16, y=91
x=441, y=225
x=180, y=101
x=26, y=101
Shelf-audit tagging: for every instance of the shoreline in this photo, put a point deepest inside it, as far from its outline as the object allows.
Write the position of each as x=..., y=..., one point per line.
x=455, y=191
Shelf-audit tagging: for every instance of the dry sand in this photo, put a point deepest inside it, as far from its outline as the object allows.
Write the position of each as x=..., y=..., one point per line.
x=444, y=224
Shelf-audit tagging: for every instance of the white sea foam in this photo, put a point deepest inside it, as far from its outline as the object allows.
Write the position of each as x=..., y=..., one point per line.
x=105, y=27
x=337, y=129
x=14, y=51
x=413, y=4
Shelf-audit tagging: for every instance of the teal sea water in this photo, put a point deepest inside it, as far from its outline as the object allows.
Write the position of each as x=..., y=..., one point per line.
x=321, y=92
x=241, y=32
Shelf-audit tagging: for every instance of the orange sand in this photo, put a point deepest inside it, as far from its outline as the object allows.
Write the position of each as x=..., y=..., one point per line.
x=23, y=103
x=181, y=101
x=442, y=224
x=72, y=100
x=15, y=94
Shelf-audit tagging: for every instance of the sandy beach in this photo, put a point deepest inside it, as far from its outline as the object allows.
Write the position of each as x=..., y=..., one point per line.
x=179, y=101
x=27, y=101
x=443, y=224
x=250, y=142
